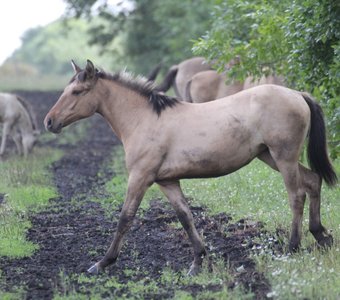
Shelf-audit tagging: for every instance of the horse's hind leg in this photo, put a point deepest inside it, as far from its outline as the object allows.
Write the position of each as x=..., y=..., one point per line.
x=312, y=184
x=296, y=194
x=173, y=192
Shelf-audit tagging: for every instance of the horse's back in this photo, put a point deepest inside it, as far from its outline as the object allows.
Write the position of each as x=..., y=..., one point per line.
x=263, y=106
x=218, y=137
x=188, y=68
x=8, y=104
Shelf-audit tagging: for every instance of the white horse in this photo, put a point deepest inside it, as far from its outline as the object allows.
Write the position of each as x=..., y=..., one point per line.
x=18, y=123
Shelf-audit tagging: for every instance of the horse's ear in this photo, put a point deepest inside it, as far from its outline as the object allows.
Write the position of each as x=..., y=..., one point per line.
x=90, y=70
x=75, y=67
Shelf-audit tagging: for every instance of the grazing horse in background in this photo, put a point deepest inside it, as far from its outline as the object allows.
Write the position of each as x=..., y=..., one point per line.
x=268, y=122
x=209, y=85
x=178, y=75
x=18, y=122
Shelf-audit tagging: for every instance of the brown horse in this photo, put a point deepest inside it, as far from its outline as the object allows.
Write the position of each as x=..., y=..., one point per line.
x=209, y=85
x=268, y=122
x=178, y=75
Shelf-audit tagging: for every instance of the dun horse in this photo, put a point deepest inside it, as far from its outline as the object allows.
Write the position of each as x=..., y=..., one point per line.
x=194, y=81
x=267, y=122
x=209, y=85
x=178, y=75
x=18, y=122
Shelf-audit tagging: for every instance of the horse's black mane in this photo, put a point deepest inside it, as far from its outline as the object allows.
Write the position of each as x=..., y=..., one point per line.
x=142, y=86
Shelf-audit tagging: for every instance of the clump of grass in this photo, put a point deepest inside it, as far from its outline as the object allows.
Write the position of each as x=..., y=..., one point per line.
x=140, y=286
x=27, y=187
x=305, y=275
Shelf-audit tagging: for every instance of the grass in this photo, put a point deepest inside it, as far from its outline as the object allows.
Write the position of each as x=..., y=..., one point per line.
x=26, y=186
x=140, y=285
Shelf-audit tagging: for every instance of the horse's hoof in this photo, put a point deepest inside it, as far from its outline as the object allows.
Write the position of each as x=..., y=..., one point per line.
x=94, y=269
x=194, y=270
x=326, y=241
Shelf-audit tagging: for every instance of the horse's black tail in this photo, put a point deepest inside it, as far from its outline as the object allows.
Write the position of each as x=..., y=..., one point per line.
x=168, y=80
x=154, y=72
x=317, y=148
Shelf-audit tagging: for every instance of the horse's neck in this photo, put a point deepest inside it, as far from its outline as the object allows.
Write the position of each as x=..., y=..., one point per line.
x=123, y=108
x=24, y=122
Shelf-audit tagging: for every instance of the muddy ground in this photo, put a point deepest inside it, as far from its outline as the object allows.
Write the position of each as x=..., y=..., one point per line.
x=74, y=231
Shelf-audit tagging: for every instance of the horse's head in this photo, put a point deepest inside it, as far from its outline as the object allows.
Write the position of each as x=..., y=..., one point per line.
x=28, y=141
x=78, y=100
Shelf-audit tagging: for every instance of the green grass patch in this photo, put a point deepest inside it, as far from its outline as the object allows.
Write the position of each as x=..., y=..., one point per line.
x=306, y=275
x=26, y=187
x=140, y=286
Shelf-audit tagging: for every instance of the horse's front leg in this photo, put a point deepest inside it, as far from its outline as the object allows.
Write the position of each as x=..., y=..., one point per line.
x=173, y=192
x=5, y=131
x=137, y=186
x=17, y=140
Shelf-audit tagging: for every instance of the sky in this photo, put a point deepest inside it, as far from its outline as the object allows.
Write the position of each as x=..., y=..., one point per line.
x=16, y=16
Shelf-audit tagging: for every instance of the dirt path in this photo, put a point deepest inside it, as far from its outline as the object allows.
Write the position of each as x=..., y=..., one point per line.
x=74, y=231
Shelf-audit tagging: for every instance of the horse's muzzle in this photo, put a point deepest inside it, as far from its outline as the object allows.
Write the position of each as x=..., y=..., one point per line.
x=52, y=126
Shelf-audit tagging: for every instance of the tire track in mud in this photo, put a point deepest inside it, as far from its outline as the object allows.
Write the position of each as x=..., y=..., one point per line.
x=75, y=231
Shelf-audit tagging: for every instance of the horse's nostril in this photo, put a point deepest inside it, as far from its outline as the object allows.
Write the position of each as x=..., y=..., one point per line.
x=49, y=123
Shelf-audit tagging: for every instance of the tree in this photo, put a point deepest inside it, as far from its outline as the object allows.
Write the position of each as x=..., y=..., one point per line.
x=50, y=49
x=151, y=31
x=298, y=39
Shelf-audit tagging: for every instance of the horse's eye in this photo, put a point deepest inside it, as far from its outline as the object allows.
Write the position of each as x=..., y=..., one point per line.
x=76, y=92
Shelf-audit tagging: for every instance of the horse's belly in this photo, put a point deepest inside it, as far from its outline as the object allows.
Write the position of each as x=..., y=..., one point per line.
x=198, y=163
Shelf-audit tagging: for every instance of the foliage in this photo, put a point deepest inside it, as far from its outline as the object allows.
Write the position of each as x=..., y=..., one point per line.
x=301, y=43
x=151, y=31
x=48, y=50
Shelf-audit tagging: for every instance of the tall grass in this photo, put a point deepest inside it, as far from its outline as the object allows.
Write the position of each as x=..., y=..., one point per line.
x=26, y=186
